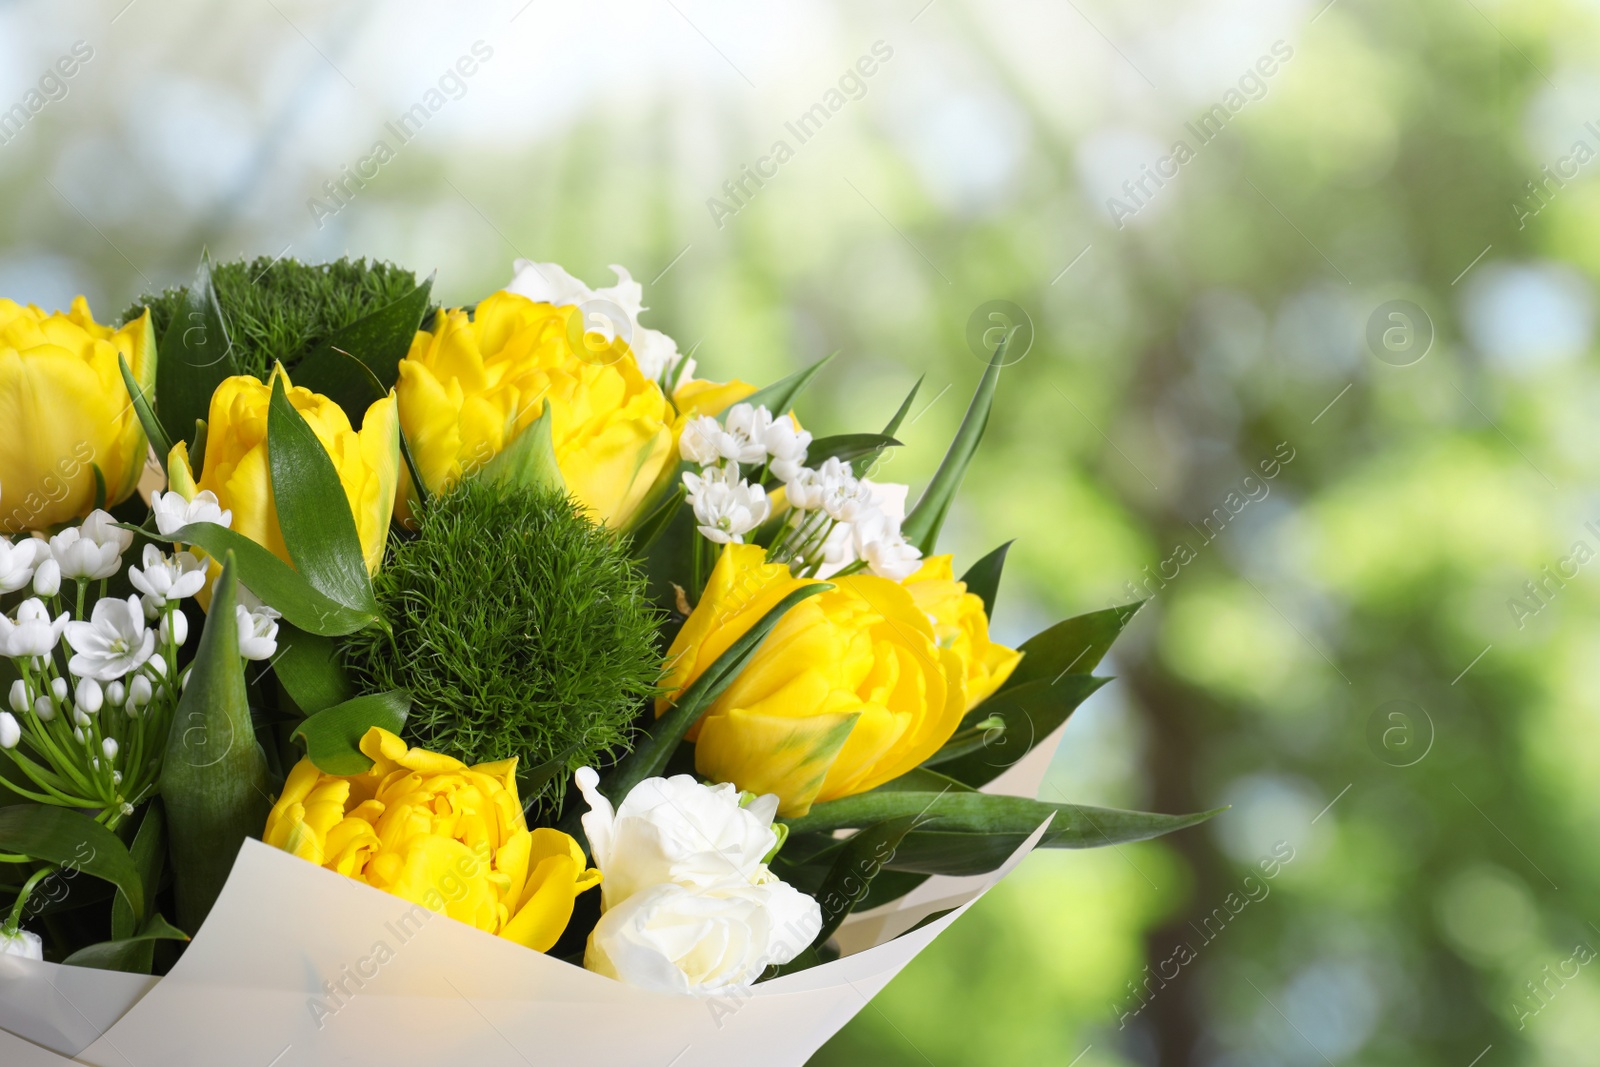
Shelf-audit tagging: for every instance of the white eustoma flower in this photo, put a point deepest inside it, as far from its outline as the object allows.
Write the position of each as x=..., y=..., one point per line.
x=114, y=642
x=699, y=442
x=258, y=631
x=675, y=830
x=173, y=512
x=725, y=506
x=84, y=558
x=677, y=939
x=47, y=576
x=33, y=633
x=549, y=283
x=17, y=561
x=744, y=435
x=786, y=443
x=164, y=578
x=22, y=943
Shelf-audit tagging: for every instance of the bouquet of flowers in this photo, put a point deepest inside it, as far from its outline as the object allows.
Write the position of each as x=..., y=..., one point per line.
x=319, y=601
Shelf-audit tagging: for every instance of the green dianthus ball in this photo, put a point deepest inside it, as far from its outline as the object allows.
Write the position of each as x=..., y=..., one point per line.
x=520, y=627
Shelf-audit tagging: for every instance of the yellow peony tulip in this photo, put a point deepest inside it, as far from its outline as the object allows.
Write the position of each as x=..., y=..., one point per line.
x=467, y=389
x=431, y=830
x=961, y=625
x=236, y=468
x=66, y=409
x=850, y=690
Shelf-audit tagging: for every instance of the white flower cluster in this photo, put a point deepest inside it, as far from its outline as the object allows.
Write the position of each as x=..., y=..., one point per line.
x=835, y=519
x=113, y=658
x=688, y=902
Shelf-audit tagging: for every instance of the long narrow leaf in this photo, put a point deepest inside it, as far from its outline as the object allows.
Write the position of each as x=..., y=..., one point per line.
x=922, y=526
x=73, y=842
x=779, y=396
x=314, y=515
x=196, y=354
x=1072, y=646
x=308, y=665
x=379, y=340
x=983, y=577
x=149, y=853
x=342, y=378
x=214, y=778
x=153, y=430
x=1030, y=713
x=130, y=953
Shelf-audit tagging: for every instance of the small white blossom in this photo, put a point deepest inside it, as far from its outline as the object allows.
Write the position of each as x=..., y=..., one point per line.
x=116, y=693
x=548, y=283
x=258, y=632
x=47, y=577
x=29, y=946
x=745, y=433
x=21, y=699
x=101, y=528
x=139, y=692
x=699, y=441
x=10, y=730
x=17, y=561
x=90, y=697
x=173, y=512
x=175, y=628
x=84, y=558
x=164, y=578
x=81, y=717
x=786, y=443
x=113, y=642
x=726, y=507
x=109, y=747
x=844, y=497
x=33, y=633
x=44, y=708
x=59, y=687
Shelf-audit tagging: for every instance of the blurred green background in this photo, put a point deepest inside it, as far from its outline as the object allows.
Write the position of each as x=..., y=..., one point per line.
x=1345, y=275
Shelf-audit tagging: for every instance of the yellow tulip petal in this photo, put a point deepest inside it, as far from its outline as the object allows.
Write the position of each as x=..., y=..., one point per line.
x=791, y=757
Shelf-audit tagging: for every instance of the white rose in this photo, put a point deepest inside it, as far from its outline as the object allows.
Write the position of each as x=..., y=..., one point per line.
x=549, y=283
x=675, y=830
x=22, y=943
x=678, y=939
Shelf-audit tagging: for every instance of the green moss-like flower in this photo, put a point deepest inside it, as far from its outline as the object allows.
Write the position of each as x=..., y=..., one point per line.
x=521, y=628
x=279, y=310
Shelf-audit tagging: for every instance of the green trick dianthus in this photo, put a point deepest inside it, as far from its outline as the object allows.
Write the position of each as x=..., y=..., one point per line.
x=520, y=627
x=281, y=310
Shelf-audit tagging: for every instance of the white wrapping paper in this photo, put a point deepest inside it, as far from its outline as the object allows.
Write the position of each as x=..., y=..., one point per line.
x=299, y=967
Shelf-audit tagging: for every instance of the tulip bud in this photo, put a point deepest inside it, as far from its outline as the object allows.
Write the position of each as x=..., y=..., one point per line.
x=47, y=578
x=89, y=695
x=44, y=708
x=21, y=699
x=10, y=730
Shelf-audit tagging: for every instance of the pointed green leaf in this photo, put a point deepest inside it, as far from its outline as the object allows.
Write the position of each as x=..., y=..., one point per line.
x=275, y=582
x=313, y=512
x=1031, y=713
x=214, y=777
x=983, y=577
x=333, y=736
x=73, y=842
x=196, y=355
x=153, y=431
x=779, y=396
x=859, y=449
x=922, y=526
x=651, y=526
x=310, y=670
x=149, y=852
x=131, y=953
x=905, y=407
x=379, y=341
x=1072, y=646
x=342, y=378
x=529, y=460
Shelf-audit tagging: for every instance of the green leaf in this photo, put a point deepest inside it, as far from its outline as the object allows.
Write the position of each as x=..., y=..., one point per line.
x=214, y=777
x=778, y=397
x=342, y=378
x=1072, y=646
x=890, y=886
x=378, y=341
x=850, y=878
x=905, y=407
x=153, y=431
x=529, y=460
x=1031, y=712
x=313, y=512
x=650, y=527
x=149, y=852
x=922, y=526
x=71, y=841
x=861, y=449
x=310, y=669
x=129, y=953
x=275, y=582
x=333, y=736
x=651, y=755
x=967, y=830
x=983, y=577
x=196, y=355
x=531, y=782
